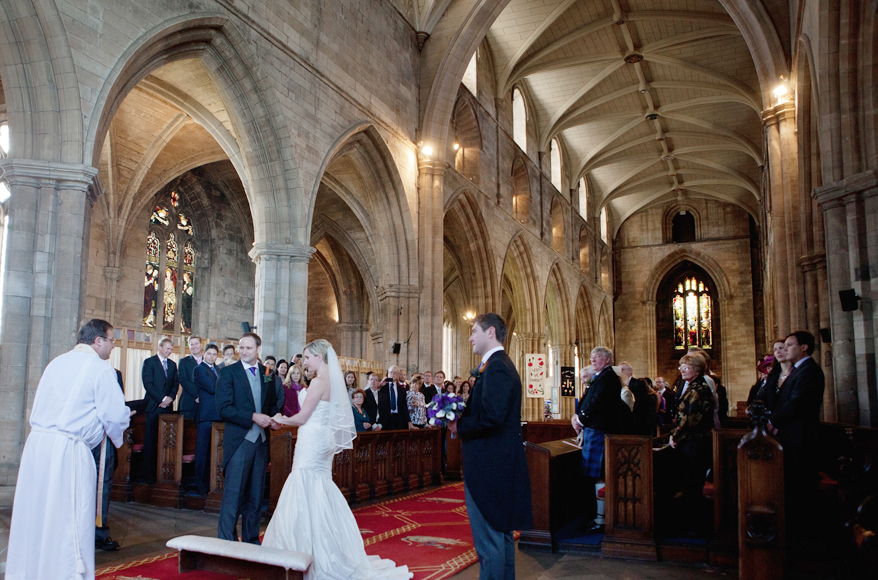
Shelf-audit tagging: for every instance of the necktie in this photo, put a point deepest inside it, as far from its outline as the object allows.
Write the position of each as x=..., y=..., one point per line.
x=214, y=371
x=482, y=366
x=165, y=366
x=392, y=398
x=253, y=370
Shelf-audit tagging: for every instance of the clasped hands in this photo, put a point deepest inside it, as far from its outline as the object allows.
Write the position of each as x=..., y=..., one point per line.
x=265, y=421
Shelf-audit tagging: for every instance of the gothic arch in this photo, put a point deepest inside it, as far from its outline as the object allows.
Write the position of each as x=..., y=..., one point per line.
x=559, y=238
x=584, y=324
x=557, y=300
x=56, y=102
x=668, y=217
x=468, y=140
x=518, y=267
x=261, y=150
x=521, y=193
x=463, y=217
x=605, y=326
x=701, y=259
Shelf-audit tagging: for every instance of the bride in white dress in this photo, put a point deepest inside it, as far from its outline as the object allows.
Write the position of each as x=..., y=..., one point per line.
x=312, y=515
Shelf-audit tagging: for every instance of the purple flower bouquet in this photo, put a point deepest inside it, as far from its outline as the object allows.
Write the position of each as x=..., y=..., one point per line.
x=443, y=408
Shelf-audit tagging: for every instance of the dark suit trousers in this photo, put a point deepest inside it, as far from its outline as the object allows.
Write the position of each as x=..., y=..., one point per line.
x=102, y=533
x=244, y=485
x=151, y=444
x=496, y=549
x=202, y=457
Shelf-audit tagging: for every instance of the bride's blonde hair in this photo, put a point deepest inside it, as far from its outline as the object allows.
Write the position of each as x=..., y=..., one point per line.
x=320, y=347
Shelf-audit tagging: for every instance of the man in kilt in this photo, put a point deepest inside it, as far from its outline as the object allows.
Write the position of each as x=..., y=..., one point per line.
x=597, y=415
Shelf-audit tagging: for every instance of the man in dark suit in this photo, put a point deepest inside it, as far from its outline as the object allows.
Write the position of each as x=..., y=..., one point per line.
x=597, y=415
x=370, y=404
x=795, y=418
x=428, y=390
x=392, y=405
x=188, y=406
x=160, y=381
x=664, y=389
x=496, y=481
x=205, y=377
x=246, y=400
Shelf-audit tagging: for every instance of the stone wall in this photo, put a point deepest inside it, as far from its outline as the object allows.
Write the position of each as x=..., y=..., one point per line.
x=722, y=249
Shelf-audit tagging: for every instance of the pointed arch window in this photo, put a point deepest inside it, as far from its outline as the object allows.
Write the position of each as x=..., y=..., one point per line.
x=169, y=282
x=519, y=120
x=692, y=308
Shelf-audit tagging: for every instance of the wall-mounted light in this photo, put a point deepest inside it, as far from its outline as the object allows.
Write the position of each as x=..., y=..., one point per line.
x=427, y=151
x=781, y=91
x=456, y=145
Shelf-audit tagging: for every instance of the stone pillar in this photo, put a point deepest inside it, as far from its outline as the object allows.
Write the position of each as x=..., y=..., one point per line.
x=651, y=343
x=785, y=239
x=112, y=275
x=566, y=354
x=814, y=268
x=281, y=305
x=43, y=290
x=848, y=206
x=352, y=339
x=431, y=183
x=399, y=307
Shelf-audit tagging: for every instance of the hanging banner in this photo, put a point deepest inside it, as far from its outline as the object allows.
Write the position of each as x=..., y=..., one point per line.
x=535, y=375
x=568, y=381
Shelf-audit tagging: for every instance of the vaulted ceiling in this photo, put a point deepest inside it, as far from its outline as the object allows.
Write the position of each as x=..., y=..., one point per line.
x=651, y=100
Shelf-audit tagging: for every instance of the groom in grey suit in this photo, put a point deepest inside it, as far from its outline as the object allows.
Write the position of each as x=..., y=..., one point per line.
x=246, y=400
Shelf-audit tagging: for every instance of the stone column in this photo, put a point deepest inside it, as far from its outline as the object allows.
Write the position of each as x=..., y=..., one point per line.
x=431, y=183
x=399, y=307
x=848, y=206
x=43, y=290
x=786, y=241
x=351, y=339
x=112, y=275
x=281, y=304
x=651, y=341
x=814, y=268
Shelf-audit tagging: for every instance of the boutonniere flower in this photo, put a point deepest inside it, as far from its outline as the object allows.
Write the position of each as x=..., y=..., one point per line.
x=267, y=379
x=476, y=373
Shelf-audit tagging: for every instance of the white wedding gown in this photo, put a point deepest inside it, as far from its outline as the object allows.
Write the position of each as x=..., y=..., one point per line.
x=313, y=517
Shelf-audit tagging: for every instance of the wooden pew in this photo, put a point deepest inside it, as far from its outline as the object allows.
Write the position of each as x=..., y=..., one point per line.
x=177, y=438
x=215, y=496
x=724, y=543
x=132, y=446
x=542, y=431
x=557, y=486
x=630, y=529
x=453, y=456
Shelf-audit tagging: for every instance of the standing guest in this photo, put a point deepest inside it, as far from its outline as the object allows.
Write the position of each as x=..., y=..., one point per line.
x=270, y=363
x=721, y=410
x=402, y=378
x=450, y=389
x=626, y=409
x=297, y=360
x=228, y=356
x=188, y=406
x=472, y=381
x=416, y=404
x=77, y=404
x=205, y=376
x=246, y=401
x=764, y=368
x=281, y=370
x=667, y=407
x=373, y=398
x=795, y=418
x=294, y=391
x=350, y=381
x=362, y=421
x=641, y=412
x=103, y=541
x=597, y=415
x=429, y=389
x=586, y=376
x=465, y=390
x=439, y=381
x=392, y=402
x=457, y=382
x=160, y=381
x=691, y=438
x=490, y=431
x=655, y=405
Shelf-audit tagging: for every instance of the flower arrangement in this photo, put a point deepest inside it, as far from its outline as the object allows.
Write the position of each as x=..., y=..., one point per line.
x=443, y=408
x=547, y=410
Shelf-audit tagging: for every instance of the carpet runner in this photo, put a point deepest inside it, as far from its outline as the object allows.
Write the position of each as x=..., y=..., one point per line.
x=427, y=531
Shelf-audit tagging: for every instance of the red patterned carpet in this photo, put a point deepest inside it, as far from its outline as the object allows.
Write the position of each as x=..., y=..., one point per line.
x=428, y=531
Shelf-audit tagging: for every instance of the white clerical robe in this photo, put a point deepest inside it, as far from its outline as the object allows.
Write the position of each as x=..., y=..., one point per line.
x=52, y=534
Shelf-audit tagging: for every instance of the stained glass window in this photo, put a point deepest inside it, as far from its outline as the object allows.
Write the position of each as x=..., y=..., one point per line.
x=169, y=280
x=692, y=312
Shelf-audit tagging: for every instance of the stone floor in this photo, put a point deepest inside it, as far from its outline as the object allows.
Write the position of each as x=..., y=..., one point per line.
x=143, y=530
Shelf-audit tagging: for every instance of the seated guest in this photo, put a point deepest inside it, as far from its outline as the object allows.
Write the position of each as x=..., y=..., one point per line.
x=350, y=380
x=417, y=407
x=205, y=376
x=362, y=421
x=691, y=438
x=294, y=391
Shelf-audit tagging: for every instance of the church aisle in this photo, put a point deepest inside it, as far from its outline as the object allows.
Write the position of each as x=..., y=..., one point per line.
x=143, y=530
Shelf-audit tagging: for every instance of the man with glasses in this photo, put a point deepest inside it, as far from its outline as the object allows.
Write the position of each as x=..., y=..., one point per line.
x=77, y=404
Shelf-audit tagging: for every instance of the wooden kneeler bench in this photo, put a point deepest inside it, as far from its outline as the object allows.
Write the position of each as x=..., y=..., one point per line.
x=240, y=559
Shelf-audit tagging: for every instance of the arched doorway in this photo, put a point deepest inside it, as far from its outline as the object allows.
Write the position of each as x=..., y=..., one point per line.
x=687, y=314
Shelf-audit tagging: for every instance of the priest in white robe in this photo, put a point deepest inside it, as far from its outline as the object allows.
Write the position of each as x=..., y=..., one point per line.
x=78, y=402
